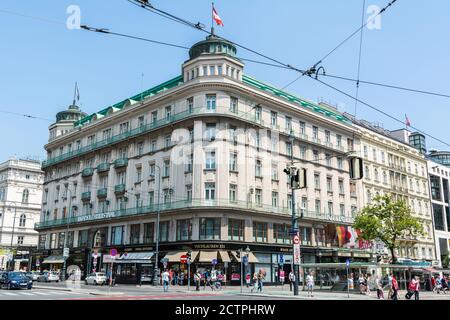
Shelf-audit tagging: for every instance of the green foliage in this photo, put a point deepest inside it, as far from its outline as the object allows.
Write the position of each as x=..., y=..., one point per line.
x=387, y=220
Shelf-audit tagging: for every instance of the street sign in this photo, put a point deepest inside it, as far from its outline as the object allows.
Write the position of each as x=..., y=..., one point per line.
x=293, y=232
x=245, y=260
x=183, y=258
x=113, y=252
x=296, y=241
x=347, y=263
x=214, y=262
x=281, y=259
x=95, y=255
x=66, y=252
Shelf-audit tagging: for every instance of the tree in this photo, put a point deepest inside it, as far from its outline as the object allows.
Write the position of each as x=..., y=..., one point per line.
x=387, y=220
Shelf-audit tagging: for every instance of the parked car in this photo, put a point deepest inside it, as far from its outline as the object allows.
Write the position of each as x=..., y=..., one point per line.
x=48, y=276
x=97, y=278
x=15, y=280
x=34, y=275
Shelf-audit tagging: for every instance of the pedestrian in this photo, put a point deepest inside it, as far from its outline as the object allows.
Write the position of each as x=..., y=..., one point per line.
x=261, y=277
x=361, y=282
x=367, y=282
x=395, y=287
x=197, y=279
x=416, y=282
x=310, y=283
x=166, y=280
x=379, y=286
x=213, y=279
x=291, y=279
x=389, y=285
x=350, y=282
x=248, y=279
x=255, y=281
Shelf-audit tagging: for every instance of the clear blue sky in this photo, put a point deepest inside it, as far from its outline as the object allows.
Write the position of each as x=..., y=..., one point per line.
x=40, y=61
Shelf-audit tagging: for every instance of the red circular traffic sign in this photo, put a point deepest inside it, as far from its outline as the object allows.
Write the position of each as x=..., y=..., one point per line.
x=183, y=258
x=296, y=239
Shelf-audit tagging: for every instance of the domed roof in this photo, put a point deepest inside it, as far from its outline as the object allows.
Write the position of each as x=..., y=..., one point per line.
x=212, y=45
x=73, y=113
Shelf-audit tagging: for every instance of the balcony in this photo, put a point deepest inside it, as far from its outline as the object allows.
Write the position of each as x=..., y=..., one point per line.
x=103, y=167
x=220, y=204
x=120, y=163
x=119, y=189
x=102, y=193
x=86, y=196
x=87, y=172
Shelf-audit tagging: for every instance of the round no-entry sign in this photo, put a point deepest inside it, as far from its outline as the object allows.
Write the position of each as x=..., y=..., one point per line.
x=183, y=258
x=296, y=239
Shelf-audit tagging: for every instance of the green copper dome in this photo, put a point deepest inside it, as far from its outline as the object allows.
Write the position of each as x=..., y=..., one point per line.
x=212, y=45
x=73, y=113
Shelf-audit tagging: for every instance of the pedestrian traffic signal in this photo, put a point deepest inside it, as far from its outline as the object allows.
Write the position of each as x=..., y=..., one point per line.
x=238, y=254
x=188, y=255
x=356, y=168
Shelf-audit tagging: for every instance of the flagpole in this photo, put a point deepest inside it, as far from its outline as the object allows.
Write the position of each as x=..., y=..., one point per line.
x=74, y=93
x=212, y=19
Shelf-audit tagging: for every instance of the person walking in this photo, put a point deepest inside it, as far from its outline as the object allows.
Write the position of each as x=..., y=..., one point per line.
x=197, y=279
x=255, y=281
x=310, y=284
x=361, y=282
x=416, y=282
x=248, y=279
x=350, y=282
x=291, y=279
x=261, y=277
x=166, y=280
x=395, y=287
x=379, y=287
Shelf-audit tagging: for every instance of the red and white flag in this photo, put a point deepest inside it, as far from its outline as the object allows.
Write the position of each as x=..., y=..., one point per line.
x=407, y=122
x=216, y=18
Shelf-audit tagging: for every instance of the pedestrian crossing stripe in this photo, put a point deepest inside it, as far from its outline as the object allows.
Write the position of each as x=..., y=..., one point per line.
x=45, y=293
x=10, y=293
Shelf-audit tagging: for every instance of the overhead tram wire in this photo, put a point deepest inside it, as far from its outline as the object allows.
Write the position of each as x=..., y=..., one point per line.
x=25, y=115
x=313, y=70
x=378, y=110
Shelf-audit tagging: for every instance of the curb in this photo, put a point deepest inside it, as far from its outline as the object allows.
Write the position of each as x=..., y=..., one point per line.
x=106, y=293
x=52, y=288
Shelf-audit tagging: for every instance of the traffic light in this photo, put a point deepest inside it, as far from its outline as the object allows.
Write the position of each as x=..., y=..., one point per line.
x=356, y=168
x=188, y=255
x=238, y=254
x=299, y=179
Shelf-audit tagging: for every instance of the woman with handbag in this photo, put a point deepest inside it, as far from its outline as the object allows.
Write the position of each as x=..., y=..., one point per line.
x=394, y=295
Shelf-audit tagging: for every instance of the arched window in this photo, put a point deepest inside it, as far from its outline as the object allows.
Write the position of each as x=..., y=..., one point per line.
x=23, y=220
x=25, y=195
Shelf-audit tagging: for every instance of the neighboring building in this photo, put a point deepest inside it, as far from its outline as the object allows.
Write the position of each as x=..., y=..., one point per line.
x=440, y=157
x=439, y=176
x=392, y=166
x=20, y=208
x=219, y=140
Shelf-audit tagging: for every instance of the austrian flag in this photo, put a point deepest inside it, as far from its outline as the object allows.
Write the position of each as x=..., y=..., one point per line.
x=216, y=18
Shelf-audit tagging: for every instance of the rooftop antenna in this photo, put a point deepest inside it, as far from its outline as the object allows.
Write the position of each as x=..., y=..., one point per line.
x=76, y=94
x=142, y=85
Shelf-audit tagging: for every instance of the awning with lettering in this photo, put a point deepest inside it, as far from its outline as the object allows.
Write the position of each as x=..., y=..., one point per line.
x=225, y=256
x=207, y=256
x=135, y=257
x=54, y=259
x=251, y=257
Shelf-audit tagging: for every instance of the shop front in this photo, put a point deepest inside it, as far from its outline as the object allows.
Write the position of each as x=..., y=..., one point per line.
x=130, y=267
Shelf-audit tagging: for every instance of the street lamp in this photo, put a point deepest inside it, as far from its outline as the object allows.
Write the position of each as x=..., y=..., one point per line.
x=63, y=273
x=156, y=271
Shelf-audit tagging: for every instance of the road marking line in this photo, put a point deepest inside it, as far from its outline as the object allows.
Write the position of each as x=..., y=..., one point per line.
x=10, y=293
x=42, y=293
x=27, y=293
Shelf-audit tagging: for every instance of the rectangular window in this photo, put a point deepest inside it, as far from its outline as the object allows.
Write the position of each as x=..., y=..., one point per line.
x=435, y=187
x=259, y=231
x=123, y=127
x=135, y=230
x=330, y=208
x=281, y=233
x=190, y=162
x=288, y=124
x=258, y=167
x=342, y=210
x=168, y=112
x=190, y=104
x=340, y=163
x=236, y=229
x=153, y=146
x=315, y=155
x=141, y=121
x=117, y=235
x=328, y=159
x=212, y=70
x=258, y=197
x=329, y=185
x=184, y=230
x=273, y=118
x=233, y=162
x=302, y=128
x=258, y=113
x=315, y=133
x=107, y=134
x=232, y=193
x=210, y=160
x=164, y=231
x=233, y=134
x=234, y=104
x=154, y=116
x=151, y=198
x=210, y=131
x=82, y=238
x=302, y=152
x=149, y=229
x=219, y=70
x=274, y=199
x=289, y=149
x=317, y=206
x=317, y=181
x=211, y=102
x=168, y=141
x=210, y=191
x=209, y=229
x=42, y=241
x=339, y=141
x=274, y=171
x=341, y=187
x=327, y=136
x=438, y=217
x=166, y=168
x=189, y=192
